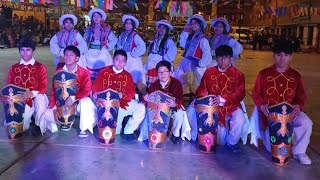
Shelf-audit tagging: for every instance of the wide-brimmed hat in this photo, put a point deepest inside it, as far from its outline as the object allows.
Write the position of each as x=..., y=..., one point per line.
x=135, y=20
x=198, y=16
x=97, y=10
x=63, y=17
x=164, y=22
x=223, y=20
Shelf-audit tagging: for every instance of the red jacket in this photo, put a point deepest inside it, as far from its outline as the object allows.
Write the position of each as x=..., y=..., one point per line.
x=272, y=87
x=230, y=85
x=121, y=82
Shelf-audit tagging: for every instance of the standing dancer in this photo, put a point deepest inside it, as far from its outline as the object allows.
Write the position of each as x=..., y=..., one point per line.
x=66, y=37
x=100, y=40
x=197, y=55
x=133, y=44
x=220, y=37
x=161, y=48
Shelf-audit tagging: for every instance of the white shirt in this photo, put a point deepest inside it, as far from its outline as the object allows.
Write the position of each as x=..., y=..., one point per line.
x=164, y=84
x=31, y=62
x=117, y=71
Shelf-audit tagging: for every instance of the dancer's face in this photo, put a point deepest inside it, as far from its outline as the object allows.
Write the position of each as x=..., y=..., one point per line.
x=162, y=29
x=194, y=25
x=218, y=28
x=128, y=26
x=282, y=59
x=68, y=25
x=26, y=53
x=96, y=18
x=224, y=62
x=70, y=58
x=119, y=61
x=163, y=74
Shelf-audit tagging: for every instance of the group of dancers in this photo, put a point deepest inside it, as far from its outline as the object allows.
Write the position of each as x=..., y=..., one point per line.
x=87, y=78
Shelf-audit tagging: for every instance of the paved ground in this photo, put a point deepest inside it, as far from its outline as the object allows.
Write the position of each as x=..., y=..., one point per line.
x=64, y=156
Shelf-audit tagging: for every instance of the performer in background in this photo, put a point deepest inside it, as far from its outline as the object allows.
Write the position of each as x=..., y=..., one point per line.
x=100, y=39
x=118, y=79
x=66, y=37
x=197, y=55
x=130, y=41
x=228, y=85
x=31, y=75
x=220, y=36
x=277, y=84
x=161, y=48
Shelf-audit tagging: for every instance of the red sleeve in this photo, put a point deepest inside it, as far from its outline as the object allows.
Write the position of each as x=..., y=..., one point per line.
x=10, y=76
x=301, y=97
x=98, y=82
x=153, y=87
x=202, y=89
x=257, y=91
x=43, y=80
x=84, y=84
x=239, y=94
x=128, y=92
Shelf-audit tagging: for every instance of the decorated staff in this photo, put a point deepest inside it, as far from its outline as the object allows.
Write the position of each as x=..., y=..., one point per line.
x=116, y=78
x=161, y=48
x=197, y=54
x=24, y=96
x=135, y=47
x=226, y=84
x=100, y=40
x=66, y=37
x=164, y=101
x=280, y=97
x=71, y=87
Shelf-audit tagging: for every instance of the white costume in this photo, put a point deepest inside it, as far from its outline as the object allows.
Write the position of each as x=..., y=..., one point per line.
x=135, y=47
x=197, y=57
x=66, y=38
x=98, y=55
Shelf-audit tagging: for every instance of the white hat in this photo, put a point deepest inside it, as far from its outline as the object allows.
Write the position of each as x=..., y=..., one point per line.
x=198, y=16
x=125, y=17
x=63, y=17
x=97, y=10
x=223, y=20
x=164, y=22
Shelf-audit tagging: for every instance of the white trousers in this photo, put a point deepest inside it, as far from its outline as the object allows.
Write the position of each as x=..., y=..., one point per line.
x=40, y=103
x=302, y=129
x=85, y=108
x=239, y=127
x=137, y=111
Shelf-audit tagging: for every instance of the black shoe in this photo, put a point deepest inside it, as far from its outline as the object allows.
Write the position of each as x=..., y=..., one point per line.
x=176, y=140
x=233, y=148
x=35, y=130
x=130, y=137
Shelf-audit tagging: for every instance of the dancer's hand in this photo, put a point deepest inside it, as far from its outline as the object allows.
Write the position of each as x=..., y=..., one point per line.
x=265, y=109
x=146, y=97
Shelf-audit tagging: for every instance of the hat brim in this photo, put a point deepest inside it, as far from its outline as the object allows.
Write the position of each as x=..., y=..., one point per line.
x=63, y=17
x=213, y=22
x=204, y=23
x=96, y=10
x=135, y=20
x=166, y=24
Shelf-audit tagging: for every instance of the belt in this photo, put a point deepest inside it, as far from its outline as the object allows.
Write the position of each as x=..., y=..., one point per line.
x=93, y=46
